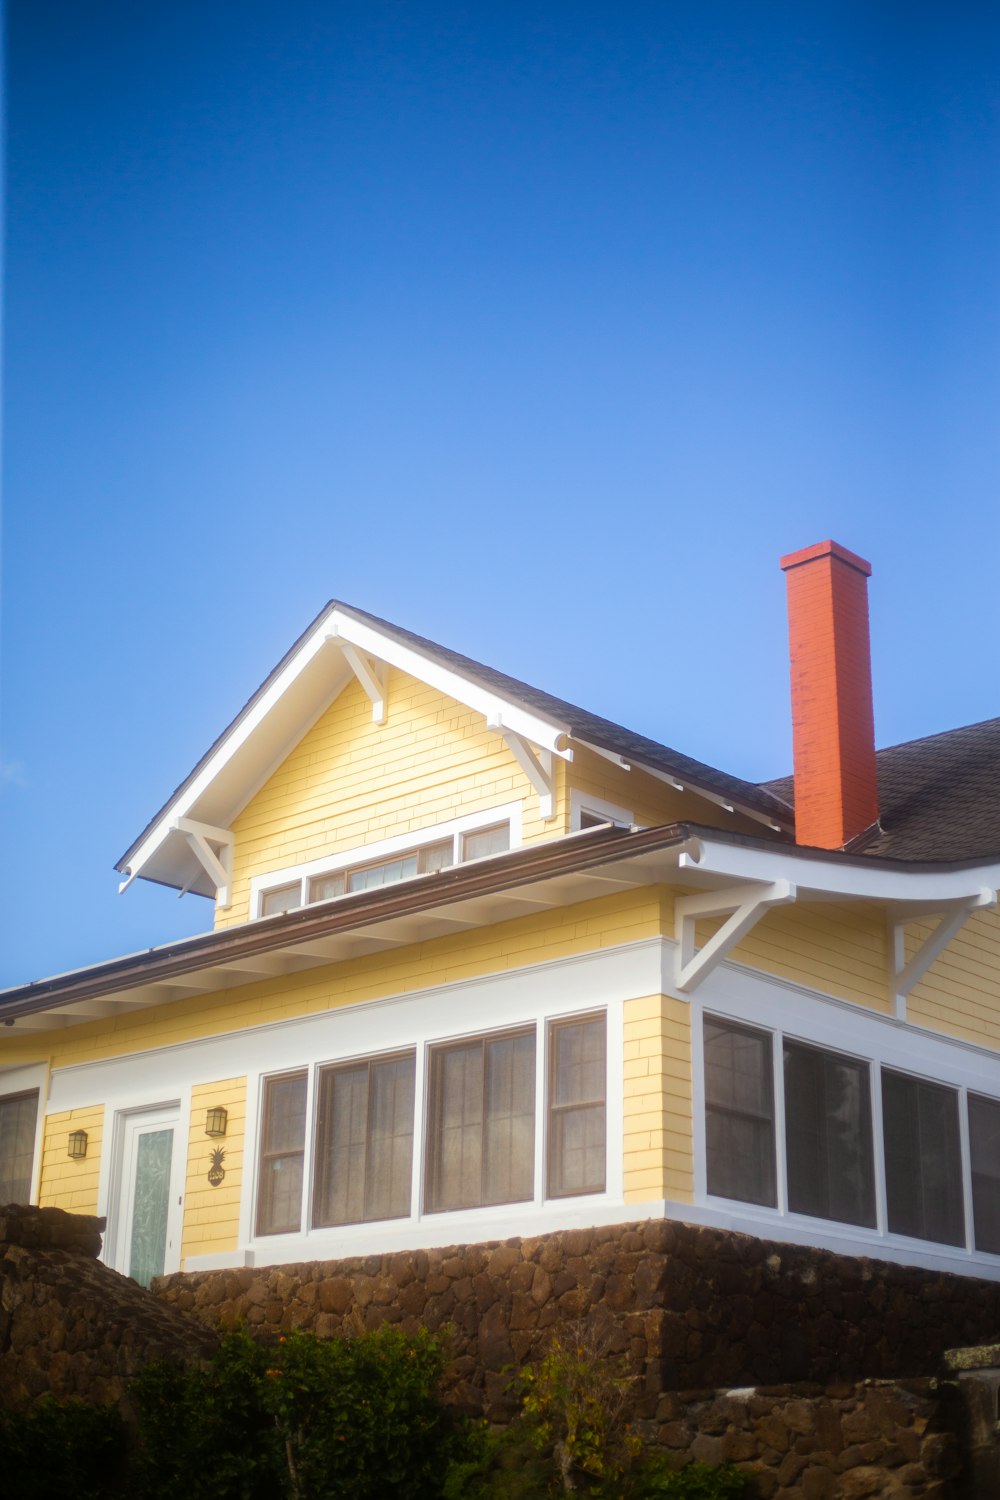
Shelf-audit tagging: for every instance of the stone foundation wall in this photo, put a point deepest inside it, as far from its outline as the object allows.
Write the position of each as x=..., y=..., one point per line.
x=69, y=1326
x=690, y=1307
x=840, y=1442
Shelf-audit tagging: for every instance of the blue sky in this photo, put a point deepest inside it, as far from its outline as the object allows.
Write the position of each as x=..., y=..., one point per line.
x=540, y=329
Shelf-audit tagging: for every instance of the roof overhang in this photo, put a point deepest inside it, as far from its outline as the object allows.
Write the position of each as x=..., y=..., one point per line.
x=735, y=874
x=337, y=647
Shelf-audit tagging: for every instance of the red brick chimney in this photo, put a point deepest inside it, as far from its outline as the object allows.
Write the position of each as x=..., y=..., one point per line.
x=833, y=732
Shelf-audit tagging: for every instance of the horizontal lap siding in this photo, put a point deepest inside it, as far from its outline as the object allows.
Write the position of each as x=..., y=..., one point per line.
x=66, y=1183
x=837, y=949
x=960, y=993
x=350, y=783
x=657, y=1137
x=212, y=1214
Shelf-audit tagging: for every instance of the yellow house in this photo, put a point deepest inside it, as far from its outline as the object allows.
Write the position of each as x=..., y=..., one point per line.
x=485, y=964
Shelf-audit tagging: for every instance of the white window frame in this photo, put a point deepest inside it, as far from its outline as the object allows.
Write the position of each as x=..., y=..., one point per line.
x=868, y=1040
x=32, y=1078
x=309, y=1242
x=581, y=802
x=385, y=849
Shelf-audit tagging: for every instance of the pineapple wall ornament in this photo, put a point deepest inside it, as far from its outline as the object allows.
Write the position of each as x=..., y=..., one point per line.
x=217, y=1171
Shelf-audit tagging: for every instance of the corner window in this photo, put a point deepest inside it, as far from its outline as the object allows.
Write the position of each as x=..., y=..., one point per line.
x=364, y=1141
x=18, y=1117
x=577, y=1106
x=481, y=1129
x=739, y=1113
x=283, y=1138
x=828, y=1135
x=923, y=1159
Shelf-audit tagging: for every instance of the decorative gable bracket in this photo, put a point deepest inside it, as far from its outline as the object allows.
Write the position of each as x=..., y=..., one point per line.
x=904, y=975
x=371, y=673
x=745, y=904
x=535, y=763
x=217, y=862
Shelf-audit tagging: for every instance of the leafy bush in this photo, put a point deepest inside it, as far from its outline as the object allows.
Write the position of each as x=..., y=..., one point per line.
x=309, y=1419
x=66, y=1448
x=573, y=1436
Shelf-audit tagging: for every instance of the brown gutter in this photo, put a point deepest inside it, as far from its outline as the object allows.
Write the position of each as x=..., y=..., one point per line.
x=503, y=873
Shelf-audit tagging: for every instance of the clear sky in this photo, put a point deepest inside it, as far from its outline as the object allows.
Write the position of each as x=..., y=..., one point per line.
x=542, y=329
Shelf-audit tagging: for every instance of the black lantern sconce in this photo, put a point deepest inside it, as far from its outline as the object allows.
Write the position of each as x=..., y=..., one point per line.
x=216, y=1121
x=77, y=1145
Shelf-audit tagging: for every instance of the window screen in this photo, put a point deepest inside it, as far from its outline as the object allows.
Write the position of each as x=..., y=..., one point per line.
x=828, y=1135
x=984, y=1148
x=577, y=1106
x=739, y=1113
x=364, y=1141
x=481, y=1144
x=18, y=1115
x=283, y=1134
x=923, y=1161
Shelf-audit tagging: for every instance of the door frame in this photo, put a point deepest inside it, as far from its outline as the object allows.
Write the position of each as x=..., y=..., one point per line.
x=127, y=1124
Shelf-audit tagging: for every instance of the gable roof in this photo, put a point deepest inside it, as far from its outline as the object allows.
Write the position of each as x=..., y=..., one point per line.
x=311, y=675
x=939, y=797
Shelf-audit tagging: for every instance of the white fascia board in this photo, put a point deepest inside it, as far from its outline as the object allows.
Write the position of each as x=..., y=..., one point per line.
x=182, y=805
x=491, y=705
x=817, y=878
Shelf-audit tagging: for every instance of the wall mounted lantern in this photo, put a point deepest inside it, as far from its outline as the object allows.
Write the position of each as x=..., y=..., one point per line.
x=216, y=1121
x=77, y=1145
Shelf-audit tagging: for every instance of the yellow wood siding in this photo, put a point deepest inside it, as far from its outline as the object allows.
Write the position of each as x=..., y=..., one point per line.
x=658, y=1142
x=212, y=1214
x=350, y=783
x=960, y=993
x=66, y=1183
x=838, y=948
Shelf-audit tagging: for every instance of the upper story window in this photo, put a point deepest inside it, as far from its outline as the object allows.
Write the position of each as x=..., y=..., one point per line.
x=467, y=839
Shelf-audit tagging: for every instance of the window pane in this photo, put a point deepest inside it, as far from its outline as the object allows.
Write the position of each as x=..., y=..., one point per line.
x=984, y=1145
x=436, y=856
x=456, y=1145
x=282, y=898
x=390, y=1139
x=482, y=1133
x=923, y=1162
x=509, y=1146
x=577, y=1113
x=486, y=841
x=279, y=1196
x=324, y=887
x=341, y=1139
x=18, y=1115
x=364, y=1141
x=382, y=874
x=828, y=1136
x=739, y=1113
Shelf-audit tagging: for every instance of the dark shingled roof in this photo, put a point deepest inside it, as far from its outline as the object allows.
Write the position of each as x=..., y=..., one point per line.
x=939, y=797
x=587, y=726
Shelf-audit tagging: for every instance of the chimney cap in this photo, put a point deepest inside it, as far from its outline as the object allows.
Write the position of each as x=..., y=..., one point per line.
x=826, y=549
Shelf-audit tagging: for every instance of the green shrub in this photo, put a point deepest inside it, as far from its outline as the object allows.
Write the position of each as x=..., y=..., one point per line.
x=61, y=1448
x=306, y=1418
